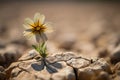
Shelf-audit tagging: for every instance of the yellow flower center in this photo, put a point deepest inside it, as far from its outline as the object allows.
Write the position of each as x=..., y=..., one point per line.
x=38, y=29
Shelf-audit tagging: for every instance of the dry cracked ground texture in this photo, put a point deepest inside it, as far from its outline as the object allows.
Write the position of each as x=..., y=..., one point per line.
x=84, y=46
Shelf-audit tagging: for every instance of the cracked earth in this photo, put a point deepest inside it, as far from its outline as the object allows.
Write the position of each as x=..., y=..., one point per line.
x=84, y=46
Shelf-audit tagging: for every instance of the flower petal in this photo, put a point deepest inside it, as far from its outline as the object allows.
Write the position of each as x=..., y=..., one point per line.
x=49, y=28
x=29, y=22
x=28, y=35
x=38, y=36
x=29, y=30
x=26, y=26
x=39, y=19
x=36, y=19
x=41, y=37
x=44, y=37
x=42, y=19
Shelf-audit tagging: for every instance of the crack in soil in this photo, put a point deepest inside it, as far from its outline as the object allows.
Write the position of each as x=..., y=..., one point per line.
x=76, y=73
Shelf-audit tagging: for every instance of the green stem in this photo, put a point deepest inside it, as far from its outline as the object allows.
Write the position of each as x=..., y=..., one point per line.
x=42, y=49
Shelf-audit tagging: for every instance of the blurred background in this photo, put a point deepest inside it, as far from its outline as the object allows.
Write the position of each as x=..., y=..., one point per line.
x=82, y=26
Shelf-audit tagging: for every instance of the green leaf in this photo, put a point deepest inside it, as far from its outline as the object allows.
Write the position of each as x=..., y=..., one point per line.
x=45, y=49
x=41, y=49
x=42, y=45
x=34, y=47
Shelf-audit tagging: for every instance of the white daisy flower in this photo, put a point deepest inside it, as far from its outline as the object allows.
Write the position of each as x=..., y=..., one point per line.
x=37, y=28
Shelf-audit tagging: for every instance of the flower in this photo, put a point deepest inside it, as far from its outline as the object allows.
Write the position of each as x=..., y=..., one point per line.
x=37, y=28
